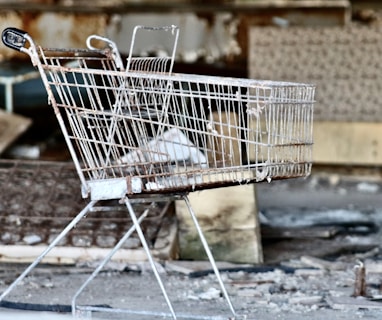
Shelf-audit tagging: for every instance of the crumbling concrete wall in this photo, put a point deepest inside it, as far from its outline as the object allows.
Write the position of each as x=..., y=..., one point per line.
x=214, y=31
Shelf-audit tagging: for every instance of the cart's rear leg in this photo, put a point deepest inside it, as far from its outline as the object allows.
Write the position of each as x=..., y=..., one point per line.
x=149, y=256
x=209, y=254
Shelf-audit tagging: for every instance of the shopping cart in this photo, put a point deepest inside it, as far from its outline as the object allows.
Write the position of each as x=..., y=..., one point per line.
x=139, y=132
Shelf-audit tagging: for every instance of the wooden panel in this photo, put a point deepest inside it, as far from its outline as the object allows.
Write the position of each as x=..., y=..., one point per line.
x=356, y=143
x=225, y=151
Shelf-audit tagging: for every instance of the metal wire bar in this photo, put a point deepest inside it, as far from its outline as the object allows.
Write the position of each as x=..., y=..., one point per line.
x=184, y=125
x=209, y=254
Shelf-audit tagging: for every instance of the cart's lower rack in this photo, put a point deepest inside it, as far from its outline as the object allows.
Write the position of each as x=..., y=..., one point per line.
x=178, y=182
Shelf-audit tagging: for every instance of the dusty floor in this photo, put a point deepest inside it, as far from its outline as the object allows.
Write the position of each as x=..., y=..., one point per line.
x=304, y=277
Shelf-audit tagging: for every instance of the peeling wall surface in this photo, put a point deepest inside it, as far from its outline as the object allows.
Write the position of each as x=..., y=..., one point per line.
x=198, y=38
x=210, y=31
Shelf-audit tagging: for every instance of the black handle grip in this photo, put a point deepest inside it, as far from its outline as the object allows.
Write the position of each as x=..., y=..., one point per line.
x=14, y=38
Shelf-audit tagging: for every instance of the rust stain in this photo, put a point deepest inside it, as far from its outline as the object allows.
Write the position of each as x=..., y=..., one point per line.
x=209, y=17
x=90, y=24
x=28, y=19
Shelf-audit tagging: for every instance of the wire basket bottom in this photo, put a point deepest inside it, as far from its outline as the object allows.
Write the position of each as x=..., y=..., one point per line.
x=172, y=182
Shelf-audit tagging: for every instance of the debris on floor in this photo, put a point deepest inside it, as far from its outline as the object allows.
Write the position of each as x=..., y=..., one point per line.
x=315, y=238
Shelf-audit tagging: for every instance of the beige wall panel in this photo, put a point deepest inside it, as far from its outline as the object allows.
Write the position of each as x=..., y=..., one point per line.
x=357, y=143
x=228, y=217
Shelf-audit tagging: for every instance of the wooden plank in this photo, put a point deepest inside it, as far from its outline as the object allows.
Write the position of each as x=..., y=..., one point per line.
x=188, y=267
x=270, y=232
x=225, y=151
x=11, y=127
x=62, y=255
x=350, y=303
x=66, y=255
x=322, y=264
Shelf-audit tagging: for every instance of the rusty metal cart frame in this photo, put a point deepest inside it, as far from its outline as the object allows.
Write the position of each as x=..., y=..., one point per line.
x=143, y=133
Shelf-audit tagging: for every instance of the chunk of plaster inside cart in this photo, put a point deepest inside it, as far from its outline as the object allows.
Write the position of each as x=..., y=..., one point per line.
x=171, y=146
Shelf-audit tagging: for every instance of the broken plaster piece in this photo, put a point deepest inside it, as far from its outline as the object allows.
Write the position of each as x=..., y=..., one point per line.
x=173, y=145
x=32, y=239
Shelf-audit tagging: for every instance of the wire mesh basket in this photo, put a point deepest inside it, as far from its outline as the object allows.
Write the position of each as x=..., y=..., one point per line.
x=149, y=131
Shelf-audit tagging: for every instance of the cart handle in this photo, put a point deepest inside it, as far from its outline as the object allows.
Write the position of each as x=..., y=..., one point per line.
x=14, y=38
x=111, y=44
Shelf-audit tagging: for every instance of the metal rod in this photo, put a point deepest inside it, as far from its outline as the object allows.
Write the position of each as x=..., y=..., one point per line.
x=9, y=97
x=209, y=254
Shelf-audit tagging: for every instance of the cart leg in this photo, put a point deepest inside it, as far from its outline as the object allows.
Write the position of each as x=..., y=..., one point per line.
x=149, y=256
x=209, y=254
x=80, y=309
x=63, y=233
